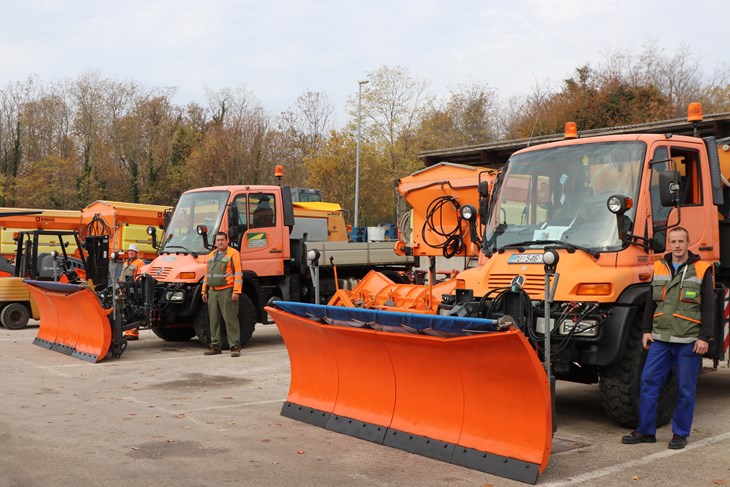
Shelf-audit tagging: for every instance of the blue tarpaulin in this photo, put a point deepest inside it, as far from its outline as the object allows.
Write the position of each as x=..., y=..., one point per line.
x=416, y=321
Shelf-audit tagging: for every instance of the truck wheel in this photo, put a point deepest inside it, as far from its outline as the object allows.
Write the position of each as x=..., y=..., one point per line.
x=15, y=316
x=201, y=325
x=174, y=334
x=246, y=322
x=620, y=385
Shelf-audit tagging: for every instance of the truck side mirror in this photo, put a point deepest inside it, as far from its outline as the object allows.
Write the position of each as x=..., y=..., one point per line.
x=483, y=201
x=166, y=218
x=669, y=188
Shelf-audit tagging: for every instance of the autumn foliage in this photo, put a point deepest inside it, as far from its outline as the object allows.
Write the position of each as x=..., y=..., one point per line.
x=67, y=143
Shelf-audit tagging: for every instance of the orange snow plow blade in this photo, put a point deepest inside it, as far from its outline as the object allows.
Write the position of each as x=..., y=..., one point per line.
x=454, y=389
x=72, y=320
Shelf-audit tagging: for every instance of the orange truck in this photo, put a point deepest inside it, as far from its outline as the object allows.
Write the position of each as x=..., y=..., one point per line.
x=570, y=234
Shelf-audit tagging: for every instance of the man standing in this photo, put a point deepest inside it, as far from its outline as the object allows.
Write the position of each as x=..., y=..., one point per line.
x=222, y=286
x=131, y=268
x=678, y=326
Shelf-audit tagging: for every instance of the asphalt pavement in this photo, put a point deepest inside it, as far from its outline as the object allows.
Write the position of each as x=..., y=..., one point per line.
x=164, y=414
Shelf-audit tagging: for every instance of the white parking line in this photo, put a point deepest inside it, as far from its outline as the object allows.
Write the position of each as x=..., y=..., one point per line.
x=240, y=404
x=602, y=472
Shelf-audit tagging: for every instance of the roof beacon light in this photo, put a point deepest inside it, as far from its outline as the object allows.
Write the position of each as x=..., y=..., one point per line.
x=694, y=112
x=571, y=130
x=279, y=171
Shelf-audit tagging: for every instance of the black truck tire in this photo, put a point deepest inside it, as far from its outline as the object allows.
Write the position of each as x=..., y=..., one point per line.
x=246, y=322
x=174, y=334
x=15, y=316
x=620, y=383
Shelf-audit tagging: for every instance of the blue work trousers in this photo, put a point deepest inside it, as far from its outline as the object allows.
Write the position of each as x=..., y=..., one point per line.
x=659, y=362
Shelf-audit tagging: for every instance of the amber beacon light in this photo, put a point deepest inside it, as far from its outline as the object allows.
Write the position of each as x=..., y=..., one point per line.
x=694, y=112
x=571, y=130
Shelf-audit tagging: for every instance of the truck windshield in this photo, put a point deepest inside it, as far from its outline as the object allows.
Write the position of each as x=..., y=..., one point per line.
x=193, y=209
x=560, y=193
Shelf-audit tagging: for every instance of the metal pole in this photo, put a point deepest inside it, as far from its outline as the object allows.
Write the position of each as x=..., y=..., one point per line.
x=357, y=152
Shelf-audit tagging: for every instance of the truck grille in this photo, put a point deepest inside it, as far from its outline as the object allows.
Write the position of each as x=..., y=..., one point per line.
x=155, y=269
x=534, y=284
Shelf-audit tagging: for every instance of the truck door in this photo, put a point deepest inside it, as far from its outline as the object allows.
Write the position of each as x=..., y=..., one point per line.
x=695, y=196
x=261, y=243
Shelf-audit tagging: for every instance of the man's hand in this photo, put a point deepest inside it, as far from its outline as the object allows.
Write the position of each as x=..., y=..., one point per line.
x=205, y=297
x=646, y=340
x=235, y=297
x=701, y=347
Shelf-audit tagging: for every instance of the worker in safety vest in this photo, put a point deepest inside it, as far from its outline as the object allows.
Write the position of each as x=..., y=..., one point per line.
x=131, y=268
x=222, y=287
x=678, y=326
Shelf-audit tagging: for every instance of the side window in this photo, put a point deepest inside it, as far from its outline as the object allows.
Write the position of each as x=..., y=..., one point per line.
x=236, y=229
x=686, y=161
x=240, y=204
x=262, y=207
x=659, y=213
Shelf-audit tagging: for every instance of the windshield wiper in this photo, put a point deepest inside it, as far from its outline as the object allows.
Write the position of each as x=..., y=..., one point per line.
x=569, y=246
x=180, y=247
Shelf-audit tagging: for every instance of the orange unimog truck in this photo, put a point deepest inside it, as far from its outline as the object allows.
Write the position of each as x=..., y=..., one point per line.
x=571, y=232
x=289, y=251
x=603, y=205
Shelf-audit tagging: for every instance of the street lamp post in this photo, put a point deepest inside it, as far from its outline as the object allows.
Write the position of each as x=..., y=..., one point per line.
x=357, y=152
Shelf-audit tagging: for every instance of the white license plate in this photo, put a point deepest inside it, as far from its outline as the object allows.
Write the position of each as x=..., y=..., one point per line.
x=525, y=259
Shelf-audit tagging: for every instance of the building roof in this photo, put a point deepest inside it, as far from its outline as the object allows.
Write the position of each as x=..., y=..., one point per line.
x=495, y=154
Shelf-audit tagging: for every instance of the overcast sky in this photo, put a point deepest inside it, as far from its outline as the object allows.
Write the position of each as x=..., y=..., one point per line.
x=280, y=48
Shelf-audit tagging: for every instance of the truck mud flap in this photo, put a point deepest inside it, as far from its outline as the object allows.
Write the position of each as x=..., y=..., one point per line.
x=479, y=398
x=72, y=320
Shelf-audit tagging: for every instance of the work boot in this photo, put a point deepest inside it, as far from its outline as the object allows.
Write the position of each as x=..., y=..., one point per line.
x=677, y=442
x=212, y=351
x=235, y=351
x=636, y=437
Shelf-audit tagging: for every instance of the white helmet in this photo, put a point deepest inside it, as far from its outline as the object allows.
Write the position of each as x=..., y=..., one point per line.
x=133, y=247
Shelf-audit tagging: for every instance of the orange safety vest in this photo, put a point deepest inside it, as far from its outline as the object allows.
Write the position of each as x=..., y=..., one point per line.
x=678, y=315
x=131, y=268
x=223, y=271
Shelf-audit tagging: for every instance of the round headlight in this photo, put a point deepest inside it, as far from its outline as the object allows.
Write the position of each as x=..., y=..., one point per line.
x=615, y=204
x=468, y=212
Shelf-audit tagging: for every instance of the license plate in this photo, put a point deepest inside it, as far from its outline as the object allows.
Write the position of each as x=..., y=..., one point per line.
x=525, y=259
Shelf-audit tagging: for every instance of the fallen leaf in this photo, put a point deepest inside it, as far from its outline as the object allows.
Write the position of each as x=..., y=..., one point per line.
x=265, y=440
x=300, y=452
x=187, y=427
x=135, y=448
x=227, y=397
x=635, y=477
x=720, y=482
x=170, y=441
x=275, y=463
x=488, y=485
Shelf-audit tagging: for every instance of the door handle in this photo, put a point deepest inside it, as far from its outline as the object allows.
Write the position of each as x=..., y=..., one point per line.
x=277, y=251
